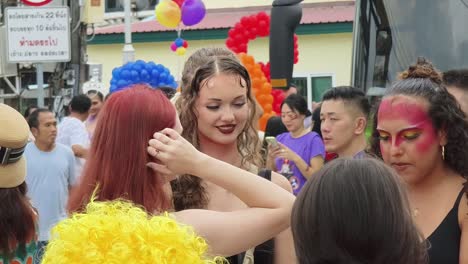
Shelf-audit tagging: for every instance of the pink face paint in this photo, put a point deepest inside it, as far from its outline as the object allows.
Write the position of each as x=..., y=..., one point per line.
x=415, y=121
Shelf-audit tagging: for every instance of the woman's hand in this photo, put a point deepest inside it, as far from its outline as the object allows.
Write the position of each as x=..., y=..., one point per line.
x=285, y=153
x=175, y=154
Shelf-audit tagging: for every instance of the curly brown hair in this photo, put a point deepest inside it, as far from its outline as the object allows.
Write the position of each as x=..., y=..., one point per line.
x=422, y=80
x=201, y=57
x=188, y=191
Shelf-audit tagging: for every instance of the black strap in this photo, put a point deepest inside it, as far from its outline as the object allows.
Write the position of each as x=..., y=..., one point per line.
x=459, y=197
x=264, y=173
x=10, y=155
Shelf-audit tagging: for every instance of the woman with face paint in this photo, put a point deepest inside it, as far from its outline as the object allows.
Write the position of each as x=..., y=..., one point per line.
x=420, y=131
x=217, y=111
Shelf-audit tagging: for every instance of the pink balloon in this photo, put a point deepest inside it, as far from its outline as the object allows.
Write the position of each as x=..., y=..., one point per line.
x=173, y=46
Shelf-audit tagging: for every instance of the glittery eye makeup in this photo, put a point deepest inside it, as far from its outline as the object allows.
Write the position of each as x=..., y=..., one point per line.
x=410, y=134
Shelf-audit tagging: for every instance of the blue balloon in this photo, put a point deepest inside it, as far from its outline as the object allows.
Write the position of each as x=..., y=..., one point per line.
x=155, y=75
x=125, y=74
x=159, y=67
x=170, y=79
x=116, y=72
x=121, y=83
x=133, y=75
x=137, y=67
x=128, y=66
x=179, y=42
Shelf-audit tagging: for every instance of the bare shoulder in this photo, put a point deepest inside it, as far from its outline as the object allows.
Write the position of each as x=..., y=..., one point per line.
x=463, y=213
x=281, y=181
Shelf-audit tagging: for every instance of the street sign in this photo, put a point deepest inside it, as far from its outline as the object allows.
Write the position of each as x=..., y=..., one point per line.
x=36, y=2
x=38, y=34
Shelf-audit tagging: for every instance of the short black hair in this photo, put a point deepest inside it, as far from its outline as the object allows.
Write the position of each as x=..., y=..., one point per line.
x=80, y=103
x=457, y=78
x=350, y=94
x=33, y=119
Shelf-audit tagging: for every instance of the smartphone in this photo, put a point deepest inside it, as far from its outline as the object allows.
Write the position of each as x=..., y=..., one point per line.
x=272, y=141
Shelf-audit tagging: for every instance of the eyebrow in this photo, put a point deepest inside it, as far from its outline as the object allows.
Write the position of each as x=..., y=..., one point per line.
x=402, y=130
x=328, y=113
x=219, y=100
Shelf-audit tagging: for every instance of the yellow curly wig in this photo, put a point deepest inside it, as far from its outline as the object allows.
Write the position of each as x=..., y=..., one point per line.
x=120, y=232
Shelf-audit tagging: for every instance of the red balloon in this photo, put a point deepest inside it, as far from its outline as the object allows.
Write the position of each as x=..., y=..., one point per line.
x=185, y=45
x=179, y=2
x=245, y=21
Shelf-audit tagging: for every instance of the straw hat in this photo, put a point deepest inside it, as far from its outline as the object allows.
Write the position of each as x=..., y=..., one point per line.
x=14, y=134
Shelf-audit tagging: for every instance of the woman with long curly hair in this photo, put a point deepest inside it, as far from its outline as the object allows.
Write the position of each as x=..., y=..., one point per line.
x=121, y=166
x=420, y=131
x=217, y=111
x=18, y=219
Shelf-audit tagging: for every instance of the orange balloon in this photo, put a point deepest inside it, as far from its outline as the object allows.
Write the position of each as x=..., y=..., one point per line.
x=269, y=99
x=267, y=108
x=266, y=89
x=262, y=99
x=262, y=122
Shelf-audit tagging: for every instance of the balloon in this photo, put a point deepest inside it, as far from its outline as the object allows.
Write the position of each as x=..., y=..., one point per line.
x=179, y=42
x=193, y=11
x=185, y=45
x=125, y=74
x=140, y=72
x=179, y=2
x=181, y=51
x=173, y=46
x=168, y=14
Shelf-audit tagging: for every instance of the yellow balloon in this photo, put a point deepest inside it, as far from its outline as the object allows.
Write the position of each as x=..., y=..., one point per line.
x=168, y=13
x=181, y=51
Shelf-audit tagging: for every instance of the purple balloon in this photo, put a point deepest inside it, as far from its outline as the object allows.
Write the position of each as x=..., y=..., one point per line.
x=193, y=11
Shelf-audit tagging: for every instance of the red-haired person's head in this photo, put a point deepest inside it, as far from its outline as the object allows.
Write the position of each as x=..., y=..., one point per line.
x=116, y=164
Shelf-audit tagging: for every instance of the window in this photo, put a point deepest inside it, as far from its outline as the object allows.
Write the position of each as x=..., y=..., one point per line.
x=118, y=5
x=313, y=86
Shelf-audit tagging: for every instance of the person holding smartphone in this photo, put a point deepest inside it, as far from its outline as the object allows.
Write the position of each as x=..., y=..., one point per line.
x=298, y=153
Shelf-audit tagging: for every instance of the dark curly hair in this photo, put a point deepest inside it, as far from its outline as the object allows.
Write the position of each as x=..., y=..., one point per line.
x=422, y=80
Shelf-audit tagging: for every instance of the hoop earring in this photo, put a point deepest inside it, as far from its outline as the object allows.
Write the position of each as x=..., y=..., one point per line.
x=443, y=152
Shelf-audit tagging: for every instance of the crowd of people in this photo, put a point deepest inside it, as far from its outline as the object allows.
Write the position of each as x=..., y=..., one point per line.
x=147, y=175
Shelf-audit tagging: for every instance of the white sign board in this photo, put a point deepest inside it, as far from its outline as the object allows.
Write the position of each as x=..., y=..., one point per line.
x=38, y=34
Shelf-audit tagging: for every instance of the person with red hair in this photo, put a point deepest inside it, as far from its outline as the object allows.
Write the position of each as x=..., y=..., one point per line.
x=121, y=167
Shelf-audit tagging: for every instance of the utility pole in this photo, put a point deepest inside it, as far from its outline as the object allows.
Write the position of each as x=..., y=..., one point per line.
x=78, y=35
x=128, y=52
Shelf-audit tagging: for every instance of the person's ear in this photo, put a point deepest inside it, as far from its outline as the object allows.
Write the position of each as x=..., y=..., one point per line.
x=360, y=125
x=34, y=131
x=442, y=135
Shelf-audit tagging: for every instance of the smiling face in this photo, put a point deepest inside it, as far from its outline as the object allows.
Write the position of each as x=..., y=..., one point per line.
x=96, y=104
x=408, y=140
x=222, y=108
